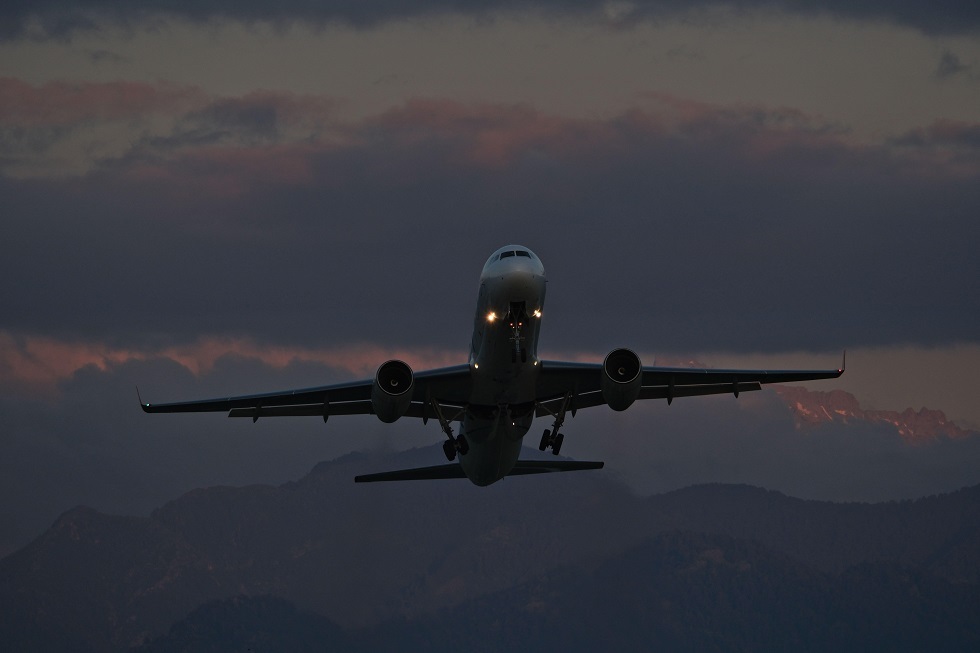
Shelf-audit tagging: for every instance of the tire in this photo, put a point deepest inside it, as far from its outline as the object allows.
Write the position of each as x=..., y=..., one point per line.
x=449, y=448
x=544, y=440
x=556, y=445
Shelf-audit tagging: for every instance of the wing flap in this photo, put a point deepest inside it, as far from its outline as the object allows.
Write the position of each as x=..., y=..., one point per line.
x=309, y=410
x=416, y=409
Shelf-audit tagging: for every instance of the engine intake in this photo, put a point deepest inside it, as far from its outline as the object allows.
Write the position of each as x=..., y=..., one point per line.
x=621, y=378
x=391, y=394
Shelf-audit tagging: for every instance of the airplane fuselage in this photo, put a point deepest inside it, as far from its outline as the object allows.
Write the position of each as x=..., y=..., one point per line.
x=503, y=362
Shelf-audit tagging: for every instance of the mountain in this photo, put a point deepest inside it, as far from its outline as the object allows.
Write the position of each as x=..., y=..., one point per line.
x=816, y=407
x=421, y=561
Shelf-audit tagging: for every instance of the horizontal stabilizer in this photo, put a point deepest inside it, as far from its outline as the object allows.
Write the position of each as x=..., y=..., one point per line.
x=417, y=474
x=455, y=471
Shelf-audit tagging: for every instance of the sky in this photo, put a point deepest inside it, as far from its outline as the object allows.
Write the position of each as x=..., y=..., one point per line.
x=214, y=198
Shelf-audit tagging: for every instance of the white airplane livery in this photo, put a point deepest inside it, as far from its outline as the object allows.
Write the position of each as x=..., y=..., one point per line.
x=504, y=386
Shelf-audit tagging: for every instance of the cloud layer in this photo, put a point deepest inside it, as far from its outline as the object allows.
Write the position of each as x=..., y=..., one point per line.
x=53, y=18
x=141, y=208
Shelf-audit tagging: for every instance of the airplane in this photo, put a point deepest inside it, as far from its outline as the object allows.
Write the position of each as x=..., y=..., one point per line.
x=504, y=386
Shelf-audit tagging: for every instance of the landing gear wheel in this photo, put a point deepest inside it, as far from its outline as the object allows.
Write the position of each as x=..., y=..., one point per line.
x=545, y=440
x=462, y=445
x=449, y=448
x=556, y=445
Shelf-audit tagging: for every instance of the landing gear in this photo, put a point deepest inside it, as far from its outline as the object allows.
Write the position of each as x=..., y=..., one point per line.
x=450, y=447
x=551, y=440
x=453, y=443
x=553, y=437
x=516, y=317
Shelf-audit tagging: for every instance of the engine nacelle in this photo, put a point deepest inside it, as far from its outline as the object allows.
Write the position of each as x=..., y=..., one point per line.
x=391, y=394
x=621, y=378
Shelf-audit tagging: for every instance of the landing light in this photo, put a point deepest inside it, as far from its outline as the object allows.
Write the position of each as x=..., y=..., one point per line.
x=537, y=313
x=491, y=316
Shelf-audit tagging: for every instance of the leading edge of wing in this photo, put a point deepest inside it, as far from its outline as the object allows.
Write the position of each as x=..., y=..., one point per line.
x=437, y=382
x=358, y=390
x=653, y=376
x=453, y=470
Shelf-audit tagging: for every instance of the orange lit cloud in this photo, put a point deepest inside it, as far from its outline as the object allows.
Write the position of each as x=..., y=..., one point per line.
x=40, y=363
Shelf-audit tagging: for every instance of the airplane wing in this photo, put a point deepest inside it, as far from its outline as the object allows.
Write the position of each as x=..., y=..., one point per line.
x=581, y=383
x=450, y=386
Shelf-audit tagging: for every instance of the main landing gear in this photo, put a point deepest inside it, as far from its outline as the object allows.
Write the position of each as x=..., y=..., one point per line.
x=553, y=437
x=456, y=443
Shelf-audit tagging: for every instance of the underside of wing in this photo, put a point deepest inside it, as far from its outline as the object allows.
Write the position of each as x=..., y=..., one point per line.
x=579, y=385
x=448, y=386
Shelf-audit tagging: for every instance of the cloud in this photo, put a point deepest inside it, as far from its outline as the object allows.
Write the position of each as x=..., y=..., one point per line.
x=950, y=66
x=30, y=364
x=53, y=19
x=656, y=448
x=68, y=128
x=683, y=225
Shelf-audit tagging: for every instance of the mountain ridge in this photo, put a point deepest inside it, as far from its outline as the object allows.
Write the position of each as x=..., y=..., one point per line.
x=370, y=556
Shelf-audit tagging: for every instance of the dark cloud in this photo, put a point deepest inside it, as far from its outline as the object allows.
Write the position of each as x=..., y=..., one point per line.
x=950, y=66
x=711, y=229
x=106, y=56
x=58, y=19
x=958, y=141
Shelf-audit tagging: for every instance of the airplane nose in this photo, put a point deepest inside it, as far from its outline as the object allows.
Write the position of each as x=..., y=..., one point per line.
x=520, y=286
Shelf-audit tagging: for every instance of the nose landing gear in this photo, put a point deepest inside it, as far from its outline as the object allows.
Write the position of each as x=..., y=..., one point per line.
x=516, y=317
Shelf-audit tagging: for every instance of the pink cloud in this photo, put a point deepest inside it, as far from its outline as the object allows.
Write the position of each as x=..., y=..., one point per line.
x=224, y=146
x=61, y=103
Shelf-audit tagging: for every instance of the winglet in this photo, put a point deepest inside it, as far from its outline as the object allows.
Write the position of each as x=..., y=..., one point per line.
x=142, y=405
x=843, y=362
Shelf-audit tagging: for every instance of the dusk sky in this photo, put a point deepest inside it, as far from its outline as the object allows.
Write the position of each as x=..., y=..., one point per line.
x=212, y=198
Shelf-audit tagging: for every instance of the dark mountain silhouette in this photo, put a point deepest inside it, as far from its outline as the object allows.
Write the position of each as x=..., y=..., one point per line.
x=409, y=561
x=261, y=623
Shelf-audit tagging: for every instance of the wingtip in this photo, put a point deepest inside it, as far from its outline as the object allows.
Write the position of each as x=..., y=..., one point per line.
x=143, y=405
x=843, y=362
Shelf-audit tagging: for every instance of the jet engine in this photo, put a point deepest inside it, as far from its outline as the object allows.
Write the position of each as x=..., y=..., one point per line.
x=391, y=394
x=621, y=378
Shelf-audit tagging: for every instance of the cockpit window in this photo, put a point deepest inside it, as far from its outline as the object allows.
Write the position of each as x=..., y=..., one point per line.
x=506, y=254
x=523, y=253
